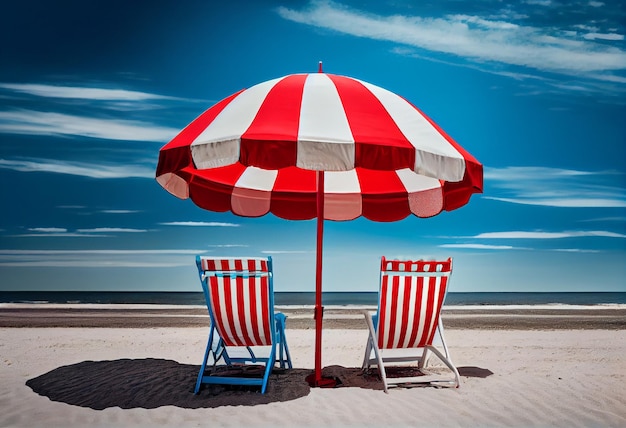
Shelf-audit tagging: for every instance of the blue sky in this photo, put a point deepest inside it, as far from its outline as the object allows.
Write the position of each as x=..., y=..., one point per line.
x=90, y=91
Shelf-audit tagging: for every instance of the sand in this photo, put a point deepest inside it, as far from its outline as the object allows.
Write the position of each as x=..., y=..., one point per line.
x=66, y=376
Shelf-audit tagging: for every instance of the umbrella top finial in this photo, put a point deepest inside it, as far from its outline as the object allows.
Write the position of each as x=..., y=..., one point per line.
x=319, y=69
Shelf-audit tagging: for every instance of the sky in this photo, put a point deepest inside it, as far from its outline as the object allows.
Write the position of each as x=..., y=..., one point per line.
x=90, y=91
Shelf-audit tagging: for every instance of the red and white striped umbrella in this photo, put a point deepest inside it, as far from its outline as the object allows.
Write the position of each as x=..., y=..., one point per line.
x=318, y=146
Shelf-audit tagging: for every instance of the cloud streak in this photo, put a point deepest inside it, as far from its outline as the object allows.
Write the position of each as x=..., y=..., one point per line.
x=200, y=224
x=82, y=169
x=48, y=229
x=82, y=93
x=110, y=230
x=61, y=235
x=119, y=211
x=60, y=232
x=479, y=247
x=32, y=122
x=163, y=258
x=477, y=38
x=286, y=252
x=555, y=187
x=510, y=247
x=549, y=235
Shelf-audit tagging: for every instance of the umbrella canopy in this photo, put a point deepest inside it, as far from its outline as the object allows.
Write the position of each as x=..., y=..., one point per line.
x=318, y=122
x=290, y=192
x=318, y=146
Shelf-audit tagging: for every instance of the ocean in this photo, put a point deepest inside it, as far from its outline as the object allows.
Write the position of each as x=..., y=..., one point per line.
x=308, y=298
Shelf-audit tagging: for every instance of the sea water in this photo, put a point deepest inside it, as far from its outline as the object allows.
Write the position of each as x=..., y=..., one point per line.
x=308, y=298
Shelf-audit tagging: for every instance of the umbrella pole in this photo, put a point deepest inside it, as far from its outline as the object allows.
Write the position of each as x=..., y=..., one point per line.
x=316, y=379
x=319, y=309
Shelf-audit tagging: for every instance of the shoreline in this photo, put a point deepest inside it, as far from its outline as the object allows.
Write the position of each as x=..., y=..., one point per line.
x=151, y=316
x=130, y=306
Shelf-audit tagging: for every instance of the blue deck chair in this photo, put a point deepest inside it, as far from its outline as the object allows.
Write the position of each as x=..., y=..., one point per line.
x=239, y=294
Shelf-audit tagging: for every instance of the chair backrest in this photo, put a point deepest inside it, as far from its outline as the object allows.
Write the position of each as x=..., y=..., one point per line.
x=240, y=296
x=409, y=301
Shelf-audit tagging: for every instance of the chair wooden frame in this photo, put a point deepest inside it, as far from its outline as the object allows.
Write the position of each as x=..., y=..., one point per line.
x=410, y=299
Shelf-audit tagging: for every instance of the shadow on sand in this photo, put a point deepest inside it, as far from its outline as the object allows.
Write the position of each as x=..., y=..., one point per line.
x=151, y=383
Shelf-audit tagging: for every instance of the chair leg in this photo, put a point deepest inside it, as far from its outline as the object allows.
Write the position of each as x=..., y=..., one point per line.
x=368, y=354
x=369, y=318
x=283, y=350
x=269, y=365
x=373, y=342
x=443, y=340
x=423, y=362
x=446, y=356
x=448, y=363
x=209, y=346
x=381, y=367
x=279, y=341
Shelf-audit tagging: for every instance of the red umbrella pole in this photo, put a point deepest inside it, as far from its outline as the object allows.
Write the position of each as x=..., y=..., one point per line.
x=316, y=378
x=319, y=309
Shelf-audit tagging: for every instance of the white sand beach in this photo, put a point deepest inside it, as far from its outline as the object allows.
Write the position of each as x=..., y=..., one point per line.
x=143, y=377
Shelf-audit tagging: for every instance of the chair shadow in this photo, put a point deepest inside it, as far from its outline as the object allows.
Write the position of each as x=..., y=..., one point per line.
x=151, y=383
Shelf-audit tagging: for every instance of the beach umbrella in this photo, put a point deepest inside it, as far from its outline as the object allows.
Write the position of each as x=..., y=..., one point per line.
x=319, y=146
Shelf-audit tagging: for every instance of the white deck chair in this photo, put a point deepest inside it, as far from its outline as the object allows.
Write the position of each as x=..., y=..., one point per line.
x=407, y=325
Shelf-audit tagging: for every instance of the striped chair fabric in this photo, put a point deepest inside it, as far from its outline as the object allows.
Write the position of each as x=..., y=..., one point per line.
x=240, y=307
x=411, y=297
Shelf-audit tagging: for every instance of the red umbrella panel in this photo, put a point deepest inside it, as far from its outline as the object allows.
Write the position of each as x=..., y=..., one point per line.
x=318, y=146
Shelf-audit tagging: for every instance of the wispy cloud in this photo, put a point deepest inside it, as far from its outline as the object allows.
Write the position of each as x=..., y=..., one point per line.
x=539, y=2
x=82, y=92
x=575, y=250
x=60, y=232
x=603, y=36
x=48, y=229
x=61, y=235
x=119, y=211
x=530, y=236
x=33, y=122
x=286, y=252
x=605, y=219
x=200, y=224
x=86, y=258
x=517, y=75
x=548, y=235
x=110, y=230
x=479, y=247
x=107, y=252
x=83, y=169
x=555, y=187
x=476, y=38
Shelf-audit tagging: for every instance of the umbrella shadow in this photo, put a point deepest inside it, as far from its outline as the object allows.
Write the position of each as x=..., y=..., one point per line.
x=472, y=371
x=151, y=383
x=356, y=377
